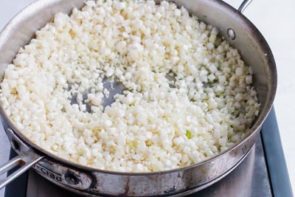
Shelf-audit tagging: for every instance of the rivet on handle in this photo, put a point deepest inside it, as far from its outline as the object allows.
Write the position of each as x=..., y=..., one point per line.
x=231, y=34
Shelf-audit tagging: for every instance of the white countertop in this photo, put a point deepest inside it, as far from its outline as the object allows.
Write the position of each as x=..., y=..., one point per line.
x=276, y=21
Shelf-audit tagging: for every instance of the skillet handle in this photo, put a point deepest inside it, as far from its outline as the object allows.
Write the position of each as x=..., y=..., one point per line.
x=244, y=5
x=25, y=160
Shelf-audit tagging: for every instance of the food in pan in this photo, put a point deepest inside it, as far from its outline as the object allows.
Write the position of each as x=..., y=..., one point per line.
x=186, y=93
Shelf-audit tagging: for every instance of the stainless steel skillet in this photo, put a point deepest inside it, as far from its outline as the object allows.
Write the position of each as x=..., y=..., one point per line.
x=237, y=29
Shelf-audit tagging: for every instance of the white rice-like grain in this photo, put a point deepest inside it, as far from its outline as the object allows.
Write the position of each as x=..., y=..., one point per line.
x=188, y=94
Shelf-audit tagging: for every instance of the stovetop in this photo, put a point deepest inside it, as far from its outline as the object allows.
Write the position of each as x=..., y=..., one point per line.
x=262, y=174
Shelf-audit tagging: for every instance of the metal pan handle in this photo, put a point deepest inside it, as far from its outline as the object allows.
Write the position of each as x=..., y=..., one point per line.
x=25, y=161
x=244, y=5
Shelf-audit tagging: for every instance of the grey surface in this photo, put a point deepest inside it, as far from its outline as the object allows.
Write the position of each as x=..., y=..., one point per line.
x=5, y=146
x=250, y=179
x=274, y=154
x=4, y=152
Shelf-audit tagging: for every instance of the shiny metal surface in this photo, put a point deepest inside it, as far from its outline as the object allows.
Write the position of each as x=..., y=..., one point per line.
x=90, y=181
x=25, y=160
x=249, y=179
x=244, y=5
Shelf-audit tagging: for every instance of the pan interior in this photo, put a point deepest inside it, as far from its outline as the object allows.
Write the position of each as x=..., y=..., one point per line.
x=247, y=39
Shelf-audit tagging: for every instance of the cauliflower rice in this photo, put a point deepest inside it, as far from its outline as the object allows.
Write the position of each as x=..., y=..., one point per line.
x=187, y=96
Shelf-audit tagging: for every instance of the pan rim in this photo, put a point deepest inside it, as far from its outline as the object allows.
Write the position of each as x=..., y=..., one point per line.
x=253, y=130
